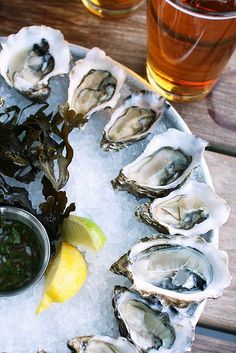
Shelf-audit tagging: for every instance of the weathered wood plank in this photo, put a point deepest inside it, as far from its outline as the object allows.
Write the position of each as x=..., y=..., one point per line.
x=221, y=312
x=204, y=344
x=214, y=118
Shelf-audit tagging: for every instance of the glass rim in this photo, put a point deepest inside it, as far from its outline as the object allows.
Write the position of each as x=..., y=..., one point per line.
x=40, y=232
x=201, y=13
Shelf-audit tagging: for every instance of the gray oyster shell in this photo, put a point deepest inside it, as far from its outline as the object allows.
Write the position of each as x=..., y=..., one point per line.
x=149, y=325
x=133, y=120
x=100, y=344
x=191, y=210
x=164, y=165
x=31, y=57
x=182, y=269
x=95, y=83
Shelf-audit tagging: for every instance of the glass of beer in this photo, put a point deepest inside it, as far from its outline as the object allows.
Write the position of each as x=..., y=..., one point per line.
x=112, y=8
x=189, y=44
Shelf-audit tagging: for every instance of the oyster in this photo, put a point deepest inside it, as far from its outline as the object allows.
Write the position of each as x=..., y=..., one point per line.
x=95, y=83
x=149, y=326
x=182, y=269
x=30, y=57
x=100, y=344
x=167, y=161
x=193, y=209
x=133, y=120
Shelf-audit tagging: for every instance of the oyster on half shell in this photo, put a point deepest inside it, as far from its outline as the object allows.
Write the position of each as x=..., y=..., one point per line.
x=95, y=83
x=134, y=119
x=180, y=268
x=191, y=210
x=30, y=57
x=100, y=344
x=149, y=325
x=164, y=165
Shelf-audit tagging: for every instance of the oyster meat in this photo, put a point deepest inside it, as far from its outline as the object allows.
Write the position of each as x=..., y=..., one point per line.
x=134, y=119
x=149, y=325
x=100, y=344
x=30, y=57
x=164, y=165
x=95, y=83
x=180, y=268
x=191, y=210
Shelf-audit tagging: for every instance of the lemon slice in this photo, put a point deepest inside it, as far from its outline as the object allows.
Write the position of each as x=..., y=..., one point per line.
x=82, y=231
x=64, y=277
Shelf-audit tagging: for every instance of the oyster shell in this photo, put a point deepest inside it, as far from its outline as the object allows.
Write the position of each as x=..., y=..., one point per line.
x=30, y=57
x=149, y=326
x=100, y=344
x=182, y=269
x=164, y=165
x=191, y=210
x=95, y=83
x=134, y=119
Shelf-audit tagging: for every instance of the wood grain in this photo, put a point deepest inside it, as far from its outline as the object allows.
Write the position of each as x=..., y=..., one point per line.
x=205, y=344
x=214, y=118
x=125, y=41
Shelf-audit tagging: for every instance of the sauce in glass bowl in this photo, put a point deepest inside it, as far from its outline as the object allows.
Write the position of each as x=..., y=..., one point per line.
x=24, y=250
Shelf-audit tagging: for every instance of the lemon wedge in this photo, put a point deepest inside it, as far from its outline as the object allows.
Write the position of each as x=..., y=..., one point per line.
x=80, y=231
x=64, y=277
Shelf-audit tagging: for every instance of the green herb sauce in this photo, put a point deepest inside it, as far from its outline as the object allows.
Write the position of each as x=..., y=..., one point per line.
x=20, y=254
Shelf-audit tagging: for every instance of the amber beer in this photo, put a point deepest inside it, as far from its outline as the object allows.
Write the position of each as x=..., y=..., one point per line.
x=189, y=44
x=109, y=8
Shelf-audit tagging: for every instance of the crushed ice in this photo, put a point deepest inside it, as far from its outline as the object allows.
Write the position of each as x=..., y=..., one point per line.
x=90, y=311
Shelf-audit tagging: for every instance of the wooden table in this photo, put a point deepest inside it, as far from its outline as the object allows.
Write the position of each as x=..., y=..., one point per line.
x=214, y=119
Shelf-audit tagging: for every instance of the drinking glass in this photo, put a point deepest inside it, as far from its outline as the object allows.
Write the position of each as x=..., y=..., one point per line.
x=189, y=44
x=112, y=8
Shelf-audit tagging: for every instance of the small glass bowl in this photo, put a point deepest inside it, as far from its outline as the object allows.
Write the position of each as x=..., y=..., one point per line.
x=17, y=214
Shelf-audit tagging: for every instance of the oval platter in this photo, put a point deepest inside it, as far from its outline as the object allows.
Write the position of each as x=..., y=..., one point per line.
x=89, y=312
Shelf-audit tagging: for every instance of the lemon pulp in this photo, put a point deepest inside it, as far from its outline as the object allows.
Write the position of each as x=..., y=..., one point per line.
x=64, y=277
x=82, y=231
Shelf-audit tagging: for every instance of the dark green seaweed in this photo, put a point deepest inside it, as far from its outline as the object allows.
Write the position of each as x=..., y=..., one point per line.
x=37, y=143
